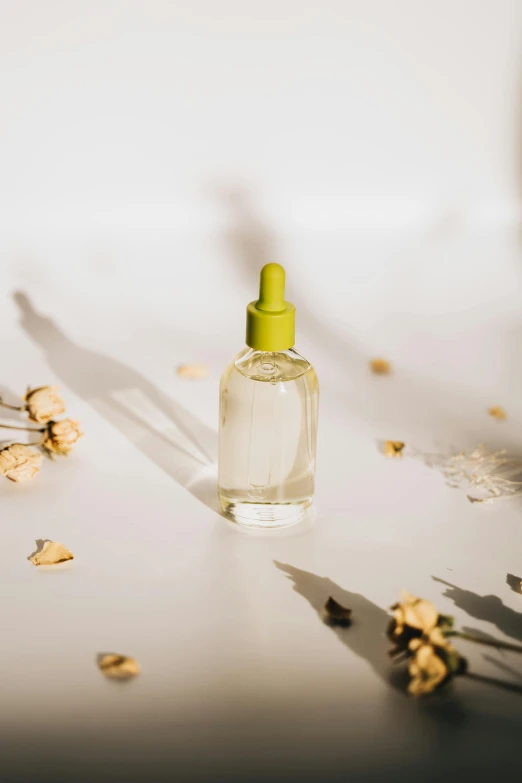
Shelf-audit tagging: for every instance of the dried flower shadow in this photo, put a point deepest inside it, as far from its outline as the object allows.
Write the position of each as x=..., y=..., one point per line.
x=488, y=608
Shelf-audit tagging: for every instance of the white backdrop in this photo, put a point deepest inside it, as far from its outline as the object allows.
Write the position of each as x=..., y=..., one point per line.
x=153, y=155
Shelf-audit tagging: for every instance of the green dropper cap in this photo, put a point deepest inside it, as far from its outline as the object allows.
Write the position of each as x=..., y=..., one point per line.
x=271, y=320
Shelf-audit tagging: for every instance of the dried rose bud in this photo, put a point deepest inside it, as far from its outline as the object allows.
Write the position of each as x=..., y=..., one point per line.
x=60, y=436
x=43, y=404
x=18, y=462
x=414, y=618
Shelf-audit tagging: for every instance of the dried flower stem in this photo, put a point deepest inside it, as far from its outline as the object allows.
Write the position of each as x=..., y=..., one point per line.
x=12, y=407
x=26, y=429
x=488, y=642
x=508, y=686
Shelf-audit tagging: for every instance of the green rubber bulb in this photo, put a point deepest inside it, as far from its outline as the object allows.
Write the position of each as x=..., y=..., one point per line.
x=271, y=320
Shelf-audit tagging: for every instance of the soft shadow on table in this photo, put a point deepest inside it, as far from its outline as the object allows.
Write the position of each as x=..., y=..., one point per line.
x=488, y=608
x=366, y=636
x=180, y=444
x=40, y=543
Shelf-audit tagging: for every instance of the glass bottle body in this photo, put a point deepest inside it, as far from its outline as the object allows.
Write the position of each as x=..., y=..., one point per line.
x=267, y=438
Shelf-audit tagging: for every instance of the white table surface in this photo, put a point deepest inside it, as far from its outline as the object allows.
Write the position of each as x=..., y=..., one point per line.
x=241, y=680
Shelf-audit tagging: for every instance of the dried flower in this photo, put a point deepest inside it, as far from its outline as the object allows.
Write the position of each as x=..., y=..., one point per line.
x=118, y=667
x=393, y=448
x=18, y=462
x=51, y=553
x=489, y=474
x=418, y=632
x=335, y=614
x=380, y=366
x=412, y=618
x=433, y=665
x=497, y=412
x=43, y=404
x=60, y=436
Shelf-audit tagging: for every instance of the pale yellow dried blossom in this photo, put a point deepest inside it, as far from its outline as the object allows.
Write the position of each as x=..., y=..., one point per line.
x=118, y=667
x=60, y=436
x=51, y=553
x=427, y=670
x=419, y=633
x=414, y=612
x=380, y=366
x=393, y=448
x=193, y=371
x=497, y=412
x=18, y=462
x=43, y=404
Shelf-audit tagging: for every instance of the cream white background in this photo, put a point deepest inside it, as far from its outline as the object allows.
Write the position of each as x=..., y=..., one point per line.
x=153, y=155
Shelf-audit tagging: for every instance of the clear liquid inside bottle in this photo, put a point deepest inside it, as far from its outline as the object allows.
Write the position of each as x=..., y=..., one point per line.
x=267, y=438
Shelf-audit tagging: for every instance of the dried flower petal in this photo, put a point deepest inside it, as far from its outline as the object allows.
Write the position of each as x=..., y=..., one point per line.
x=18, y=462
x=393, y=448
x=380, y=366
x=43, y=404
x=60, y=436
x=118, y=667
x=51, y=553
x=335, y=614
x=497, y=412
x=193, y=371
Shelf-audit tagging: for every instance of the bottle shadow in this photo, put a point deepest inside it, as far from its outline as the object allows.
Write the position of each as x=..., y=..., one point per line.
x=488, y=608
x=158, y=426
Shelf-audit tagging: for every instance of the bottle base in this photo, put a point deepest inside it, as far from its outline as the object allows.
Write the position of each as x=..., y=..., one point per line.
x=265, y=515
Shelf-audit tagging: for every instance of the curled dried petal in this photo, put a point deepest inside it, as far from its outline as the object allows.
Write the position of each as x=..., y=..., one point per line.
x=497, y=412
x=380, y=366
x=192, y=371
x=393, y=448
x=118, y=667
x=51, y=553
x=19, y=462
x=336, y=614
